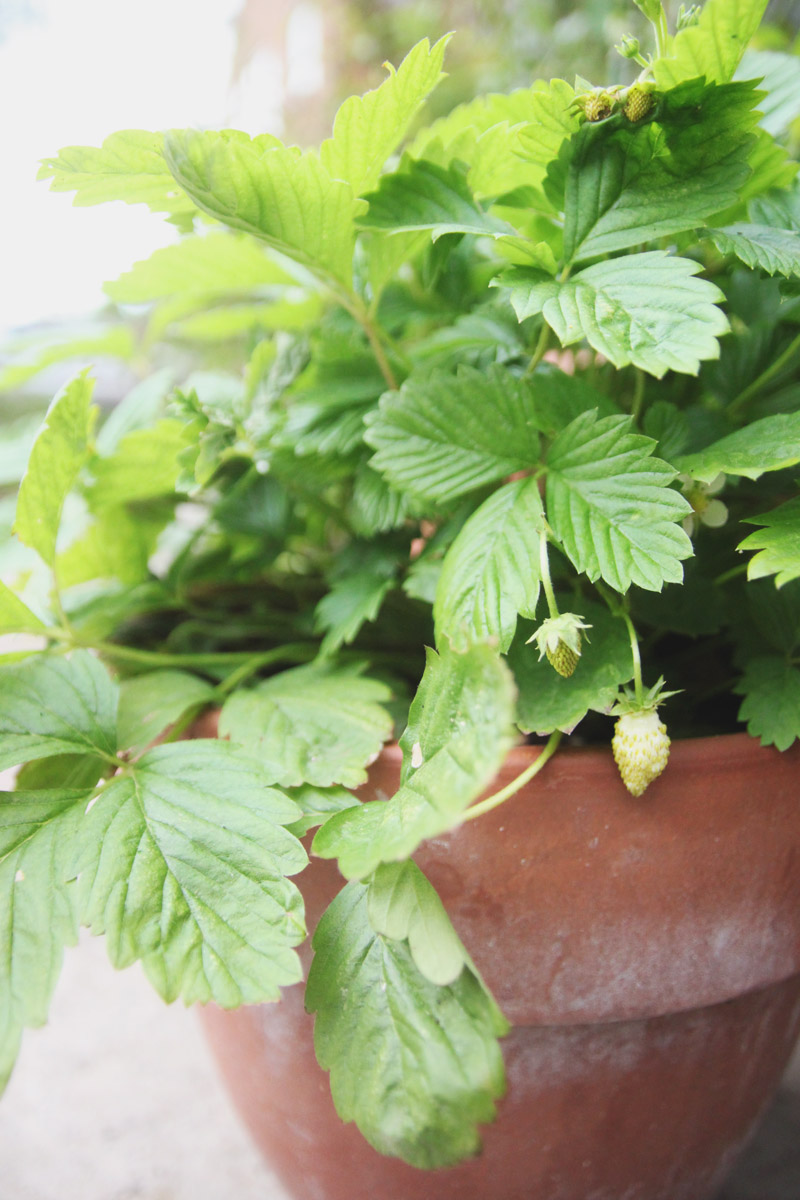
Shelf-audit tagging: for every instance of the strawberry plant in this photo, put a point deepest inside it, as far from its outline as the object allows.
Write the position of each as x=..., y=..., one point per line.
x=492, y=432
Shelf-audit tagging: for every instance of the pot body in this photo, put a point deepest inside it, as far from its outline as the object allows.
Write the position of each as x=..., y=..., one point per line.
x=646, y=951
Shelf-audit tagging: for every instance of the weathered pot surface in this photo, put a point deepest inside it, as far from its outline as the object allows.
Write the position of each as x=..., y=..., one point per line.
x=647, y=952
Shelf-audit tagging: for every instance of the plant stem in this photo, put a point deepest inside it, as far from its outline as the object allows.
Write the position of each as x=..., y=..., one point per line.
x=662, y=33
x=638, y=395
x=772, y=370
x=637, y=657
x=361, y=314
x=512, y=788
x=544, y=568
x=293, y=652
x=540, y=349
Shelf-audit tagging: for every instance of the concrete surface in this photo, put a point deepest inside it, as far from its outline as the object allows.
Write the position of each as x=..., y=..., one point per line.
x=120, y=1101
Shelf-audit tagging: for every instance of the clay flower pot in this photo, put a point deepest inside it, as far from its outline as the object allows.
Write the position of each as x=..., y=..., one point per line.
x=647, y=952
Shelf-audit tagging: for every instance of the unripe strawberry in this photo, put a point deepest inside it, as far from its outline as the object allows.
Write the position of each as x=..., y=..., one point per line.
x=641, y=748
x=638, y=104
x=562, y=659
x=597, y=106
x=559, y=639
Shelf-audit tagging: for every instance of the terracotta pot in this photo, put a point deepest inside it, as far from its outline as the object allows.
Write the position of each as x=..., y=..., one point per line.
x=647, y=952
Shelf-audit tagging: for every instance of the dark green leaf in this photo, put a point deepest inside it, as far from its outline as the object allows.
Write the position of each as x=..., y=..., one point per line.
x=766, y=445
x=423, y=195
x=353, y=600
x=771, y=708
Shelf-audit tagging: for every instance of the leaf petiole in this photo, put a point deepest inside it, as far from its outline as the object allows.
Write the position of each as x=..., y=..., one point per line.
x=524, y=777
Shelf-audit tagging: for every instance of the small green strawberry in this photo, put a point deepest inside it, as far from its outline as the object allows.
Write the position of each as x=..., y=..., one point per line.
x=638, y=103
x=559, y=639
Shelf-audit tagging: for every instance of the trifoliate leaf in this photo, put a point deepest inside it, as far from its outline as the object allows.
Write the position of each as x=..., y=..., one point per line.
x=311, y=724
x=771, y=708
x=367, y=129
x=646, y=309
x=778, y=544
x=766, y=445
x=149, y=703
x=547, y=701
x=16, y=617
x=776, y=251
x=610, y=504
x=491, y=572
x=441, y=436
x=285, y=198
x=58, y=454
x=183, y=865
x=626, y=186
x=464, y=733
x=52, y=705
x=422, y=195
x=403, y=905
x=416, y=1066
x=712, y=47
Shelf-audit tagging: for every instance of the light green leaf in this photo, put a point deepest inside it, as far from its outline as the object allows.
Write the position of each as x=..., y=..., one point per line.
x=403, y=905
x=610, y=504
x=129, y=166
x=183, y=865
x=58, y=454
x=462, y=714
x=416, y=1066
x=38, y=910
x=117, y=545
x=317, y=805
x=552, y=120
x=440, y=436
x=353, y=600
x=422, y=195
x=780, y=209
x=239, y=320
x=771, y=706
x=53, y=705
x=776, y=251
x=312, y=724
x=376, y=506
x=144, y=466
x=114, y=342
x=140, y=409
x=646, y=309
x=491, y=572
x=766, y=445
x=712, y=47
x=779, y=76
x=149, y=703
x=285, y=198
x=546, y=700
x=626, y=186
x=16, y=617
x=778, y=543
x=367, y=129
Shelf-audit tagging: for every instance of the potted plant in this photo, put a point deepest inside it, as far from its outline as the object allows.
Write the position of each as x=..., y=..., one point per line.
x=526, y=396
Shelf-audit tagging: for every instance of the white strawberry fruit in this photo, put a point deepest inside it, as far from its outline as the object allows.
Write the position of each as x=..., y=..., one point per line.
x=641, y=748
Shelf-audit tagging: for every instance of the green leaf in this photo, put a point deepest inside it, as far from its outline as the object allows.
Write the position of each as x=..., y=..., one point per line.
x=610, y=504
x=779, y=76
x=73, y=771
x=776, y=251
x=416, y=1066
x=462, y=714
x=144, y=466
x=441, y=436
x=376, y=506
x=149, y=703
x=778, y=543
x=16, y=617
x=52, y=705
x=285, y=198
x=312, y=724
x=780, y=209
x=645, y=309
x=712, y=47
x=317, y=805
x=628, y=185
x=771, y=708
x=547, y=701
x=183, y=865
x=422, y=195
x=491, y=572
x=114, y=342
x=367, y=129
x=58, y=454
x=117, y=545
x=766, y=445
x=38, y=910
x=552, y=119
x=353, y=600
x=403, y=905
x=129, y=166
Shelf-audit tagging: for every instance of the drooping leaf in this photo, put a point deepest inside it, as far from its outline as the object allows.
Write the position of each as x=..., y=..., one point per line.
x=771, y=706
x=285, y=198
x=713, y=46
x=647, y=309
x=440, y=436
x=422, y=195
x=779, y=76
x=610, y=504
x=183, y=865
x=52, y=705
x=368, y=129
x=776, y=251
x=16, y=617
x=402, y=904
x=149, y=703
x=460, y=747
x=491, y=572
x=416, y=1066
x=778, y=544
x=766, y=445
x=547, y=701
x=312, y=724
x=58, y=454
x=628, y=186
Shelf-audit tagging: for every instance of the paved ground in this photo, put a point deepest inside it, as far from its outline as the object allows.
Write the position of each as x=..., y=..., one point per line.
x=121, y=1102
